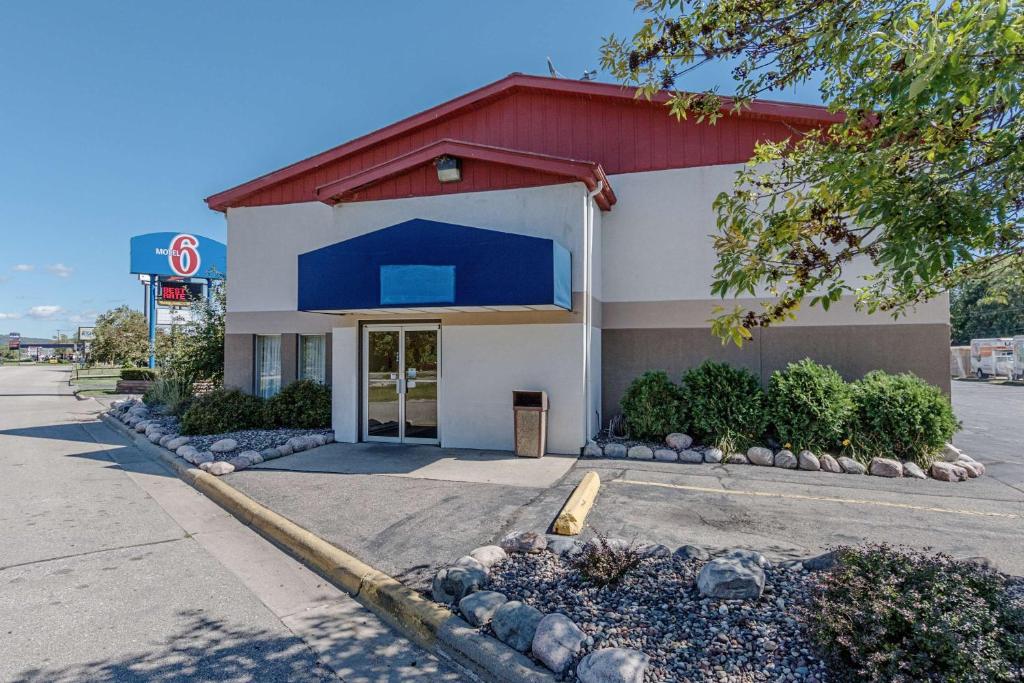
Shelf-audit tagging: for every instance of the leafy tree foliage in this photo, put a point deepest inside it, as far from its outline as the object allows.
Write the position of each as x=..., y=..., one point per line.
x=987, y=308
x=122, y=338
x=922, y=178
x=195, y=351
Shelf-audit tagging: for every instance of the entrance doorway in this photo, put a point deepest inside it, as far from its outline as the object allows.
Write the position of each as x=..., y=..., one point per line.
x=401, y=371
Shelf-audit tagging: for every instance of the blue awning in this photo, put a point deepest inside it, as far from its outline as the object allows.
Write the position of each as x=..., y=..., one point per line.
x=421, y=264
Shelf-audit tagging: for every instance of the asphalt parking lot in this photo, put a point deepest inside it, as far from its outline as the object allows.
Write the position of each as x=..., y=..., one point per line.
x=408, y=522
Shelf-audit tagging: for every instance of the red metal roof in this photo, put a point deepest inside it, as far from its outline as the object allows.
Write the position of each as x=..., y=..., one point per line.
x=539, y=116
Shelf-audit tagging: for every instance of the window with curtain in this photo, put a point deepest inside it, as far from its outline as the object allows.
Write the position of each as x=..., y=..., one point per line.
x=268, y=364
x=312, y=357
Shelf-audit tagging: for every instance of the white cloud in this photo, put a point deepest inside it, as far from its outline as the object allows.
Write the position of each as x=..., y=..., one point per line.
x=9, y=316
x=44, y=311
x=60, y=270
x=24, y=267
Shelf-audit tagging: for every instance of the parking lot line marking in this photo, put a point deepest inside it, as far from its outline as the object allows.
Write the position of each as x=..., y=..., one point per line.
x=826, y=499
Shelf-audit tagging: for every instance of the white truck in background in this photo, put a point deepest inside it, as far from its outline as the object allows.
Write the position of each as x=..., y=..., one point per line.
x=992, y=357
x=1018, y=357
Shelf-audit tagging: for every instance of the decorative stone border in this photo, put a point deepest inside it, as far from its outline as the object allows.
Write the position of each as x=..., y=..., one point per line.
x=554, y=639
x=161, y=431
x=952, y=464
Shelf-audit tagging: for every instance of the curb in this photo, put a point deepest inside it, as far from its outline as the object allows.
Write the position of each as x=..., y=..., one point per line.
x=430, y=626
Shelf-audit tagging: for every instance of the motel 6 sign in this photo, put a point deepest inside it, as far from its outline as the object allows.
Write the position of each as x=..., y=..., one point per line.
x=178, y=254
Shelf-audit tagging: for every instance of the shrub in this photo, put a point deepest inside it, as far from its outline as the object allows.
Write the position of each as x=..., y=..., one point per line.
x=726, y=405
x=900, y=416
x=173, y=393
x=304, y=404
x=604, y=564
x=652, y=406
x=885, y=614
x=809, y=405
x=146, y=374
x=224, y=410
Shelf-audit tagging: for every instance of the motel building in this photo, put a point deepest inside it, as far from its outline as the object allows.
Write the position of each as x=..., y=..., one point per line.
x=535, y=234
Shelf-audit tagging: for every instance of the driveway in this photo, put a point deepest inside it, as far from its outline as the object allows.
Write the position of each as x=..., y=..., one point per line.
x=112, y=569
x=409, y=510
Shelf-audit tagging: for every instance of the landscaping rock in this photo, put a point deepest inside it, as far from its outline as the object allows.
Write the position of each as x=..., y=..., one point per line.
x=679, y=441
x=654, y=550
x=614, y=450
x=478, y=608
x=285, y=449
x=820, y=562
x=270, y=454
x=140, y=426
x=298, y=444
x=950, y=453
x=220, y=468
x=731, y=578
x=851, y=466
x=972, y=468
x=666, y=455
x=154, y=437
x=946, y=471
x=468, y=562
x=177, y=442
x=239, y=462
x=830, y=464
x=515, y=623
x=747, y=556
x=165, y=439
x=317, y=440
x=640, y=453
x=613, y=665
x=557, y=641
x=488, y=555
x=253, y=457
x=758, y=455
x=808, y=461
x=200, y=457
x=786, y=459
x=592, y=450
x=911, y=469
x=451, y=584
x=736, y=459
x=563, y=547
x=885, y=467
x=523, y=542
x=713, y=455
x=186, y=452
x=224, y=446
x=692, y=457
x=692, y=552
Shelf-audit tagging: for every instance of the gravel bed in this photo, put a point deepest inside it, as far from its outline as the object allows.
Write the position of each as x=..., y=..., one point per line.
x=252, y=439
x=657, y=609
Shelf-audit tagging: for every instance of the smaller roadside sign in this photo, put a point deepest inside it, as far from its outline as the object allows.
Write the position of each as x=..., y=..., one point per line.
x=14, y=341
x=178, y=293
x=86, y=333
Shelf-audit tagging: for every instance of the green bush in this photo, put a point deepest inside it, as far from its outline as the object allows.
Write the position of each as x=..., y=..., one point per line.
x=173, y=393
x=652, y=406
x=304, y=404
x=885, y=614
x=224, y=410
x=809, y=405
x=900, y=416
x=726, y=406
x=146, y=374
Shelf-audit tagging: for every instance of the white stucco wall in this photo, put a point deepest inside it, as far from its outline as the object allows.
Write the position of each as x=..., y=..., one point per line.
x=483, y=364
x=345, y=369
x=264, y=242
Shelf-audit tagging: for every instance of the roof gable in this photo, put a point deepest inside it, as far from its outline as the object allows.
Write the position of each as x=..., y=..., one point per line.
x=600, y=122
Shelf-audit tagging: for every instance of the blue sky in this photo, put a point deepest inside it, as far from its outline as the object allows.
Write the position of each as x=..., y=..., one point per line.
x=118, y=118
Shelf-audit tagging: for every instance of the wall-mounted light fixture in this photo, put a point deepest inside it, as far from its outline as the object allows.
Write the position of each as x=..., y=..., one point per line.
x=449, y=169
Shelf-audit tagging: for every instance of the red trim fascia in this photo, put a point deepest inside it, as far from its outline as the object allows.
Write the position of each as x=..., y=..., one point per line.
x=797, y=113
x=588, y=172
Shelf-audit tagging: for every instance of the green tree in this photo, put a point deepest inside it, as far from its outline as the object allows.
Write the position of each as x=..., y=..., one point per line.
x=922, y=179
x=122, y=338
x=987, y=308
x=195, y=351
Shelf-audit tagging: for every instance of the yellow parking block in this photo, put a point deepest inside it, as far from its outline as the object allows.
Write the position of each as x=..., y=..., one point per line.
x=570, y=520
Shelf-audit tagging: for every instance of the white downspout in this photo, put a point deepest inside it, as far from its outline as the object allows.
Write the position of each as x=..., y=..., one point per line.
x=588, y=266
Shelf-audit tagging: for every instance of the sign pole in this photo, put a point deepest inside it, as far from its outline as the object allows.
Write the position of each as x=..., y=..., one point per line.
x=152, y=321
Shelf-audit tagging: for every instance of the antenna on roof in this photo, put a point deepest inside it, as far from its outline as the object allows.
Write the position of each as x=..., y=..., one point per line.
x=553, y=71
x=589, y=75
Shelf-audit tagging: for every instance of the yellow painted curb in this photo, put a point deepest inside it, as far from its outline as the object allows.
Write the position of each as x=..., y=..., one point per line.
x=570, y=520
x=423, y=621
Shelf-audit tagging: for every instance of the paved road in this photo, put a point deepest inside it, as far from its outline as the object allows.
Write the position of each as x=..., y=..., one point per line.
x=113, y=569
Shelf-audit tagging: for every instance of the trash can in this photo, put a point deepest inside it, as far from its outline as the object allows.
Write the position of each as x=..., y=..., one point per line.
x=531, y=422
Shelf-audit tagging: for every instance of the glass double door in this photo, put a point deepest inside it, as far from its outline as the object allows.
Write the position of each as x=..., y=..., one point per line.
x=401, y=370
